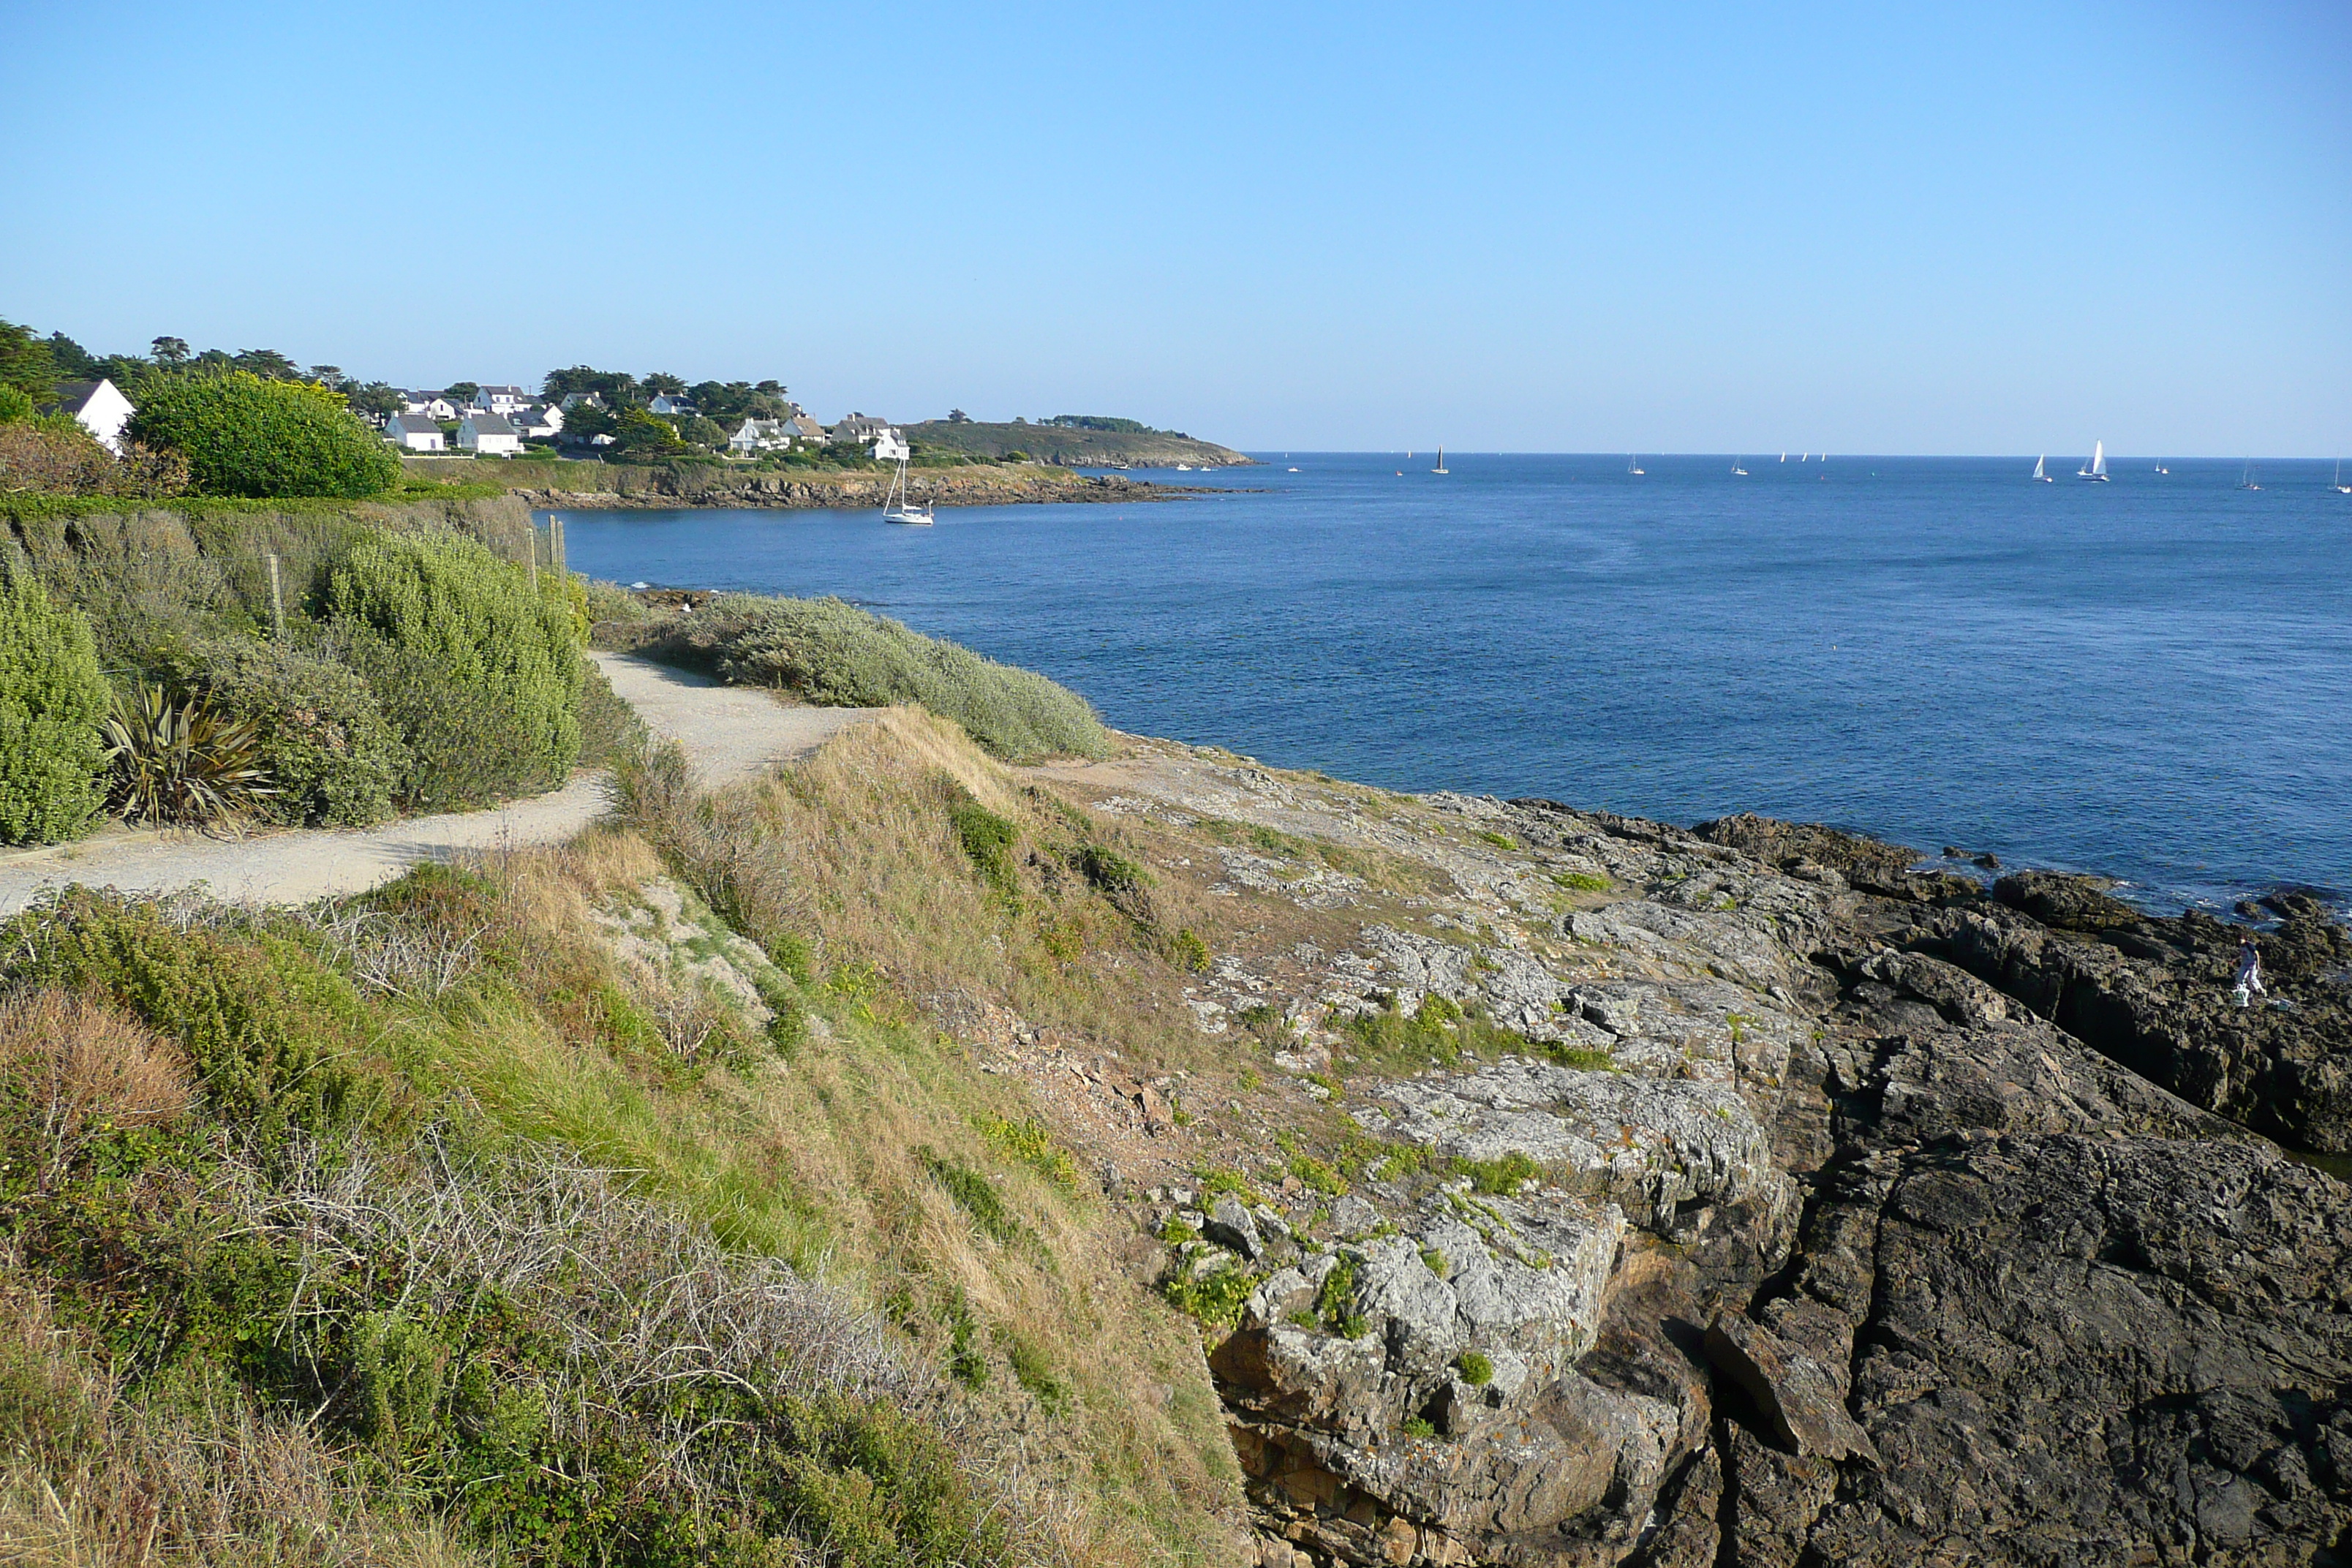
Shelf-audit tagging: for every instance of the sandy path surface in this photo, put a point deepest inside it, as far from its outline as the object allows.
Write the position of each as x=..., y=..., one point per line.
x=730, y=732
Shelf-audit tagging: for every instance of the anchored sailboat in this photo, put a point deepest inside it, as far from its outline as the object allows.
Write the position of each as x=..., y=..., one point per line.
x=2098, y=468
x=2038, y=474
x=897, y=506
x=1633, y=464
x=1441, y=462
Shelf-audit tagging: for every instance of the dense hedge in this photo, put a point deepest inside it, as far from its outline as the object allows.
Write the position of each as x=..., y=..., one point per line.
x=52, y=697
x=330, y=752
x=453, y=639
x=243, y=435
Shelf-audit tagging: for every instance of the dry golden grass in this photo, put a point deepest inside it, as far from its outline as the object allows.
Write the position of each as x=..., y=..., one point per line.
x=89, y=1478
x=821, y=1158
x=85, y=1067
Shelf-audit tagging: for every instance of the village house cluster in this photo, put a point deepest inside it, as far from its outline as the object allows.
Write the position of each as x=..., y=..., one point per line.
x=496, y=422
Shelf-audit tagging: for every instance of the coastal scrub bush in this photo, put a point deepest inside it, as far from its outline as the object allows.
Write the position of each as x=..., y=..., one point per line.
x=987, y=839
x=464, y=620
x=835, y=655
x=264, y=1023
x=68, y=461
x=321, y=736
x=52, y=700
x=1476, y=1369
x=973, y=1194
x=610, y=729
x=243, y=435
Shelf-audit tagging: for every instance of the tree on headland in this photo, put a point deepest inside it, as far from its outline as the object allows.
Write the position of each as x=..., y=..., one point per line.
x=663, y=384
x=269, y=365
x=958, y=416
x=26, y=362
x=170, y=351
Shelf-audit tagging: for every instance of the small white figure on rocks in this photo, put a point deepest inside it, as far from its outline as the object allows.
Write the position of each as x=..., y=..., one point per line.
x=2250, y=974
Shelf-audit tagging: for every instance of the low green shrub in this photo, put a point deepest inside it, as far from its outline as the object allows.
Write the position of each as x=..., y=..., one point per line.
x=265, y=1023
x=609, y=728
x=1215, y=1297
x=1476, y=1370
x=52, y=702
x=466, y=749
x=1501, y=1176
x=987, y=839
x=453, y=608
x=242, y=435
x=836, y=655
x=973, y=1194
x=1029, y=1141
x=322, y=738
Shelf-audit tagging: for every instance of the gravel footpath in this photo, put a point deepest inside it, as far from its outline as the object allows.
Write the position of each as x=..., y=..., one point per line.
x=730, y=732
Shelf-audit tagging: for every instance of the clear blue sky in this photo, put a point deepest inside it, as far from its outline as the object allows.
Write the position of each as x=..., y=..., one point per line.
x=1869, y=227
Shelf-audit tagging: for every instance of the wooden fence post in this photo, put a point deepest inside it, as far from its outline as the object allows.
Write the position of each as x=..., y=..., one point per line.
x=277, y=601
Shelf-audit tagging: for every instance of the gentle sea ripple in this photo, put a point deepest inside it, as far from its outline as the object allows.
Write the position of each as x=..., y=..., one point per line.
x=2150, y=678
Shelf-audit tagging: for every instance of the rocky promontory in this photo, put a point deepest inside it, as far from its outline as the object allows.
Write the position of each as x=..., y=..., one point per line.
x=1624, y=1195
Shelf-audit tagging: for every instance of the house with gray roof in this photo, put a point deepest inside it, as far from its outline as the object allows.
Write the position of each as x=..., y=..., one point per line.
x=414, y=433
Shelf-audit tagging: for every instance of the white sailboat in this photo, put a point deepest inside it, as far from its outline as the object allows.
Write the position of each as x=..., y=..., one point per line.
x=2160, y=467
x=1441, y=462
x=1738, y=469
x=2038, y=474
x=897, y=506
x=2097, y=467
x=2341, y=487
x=1633, y=464
x=1784, y=457
x=2246, y=480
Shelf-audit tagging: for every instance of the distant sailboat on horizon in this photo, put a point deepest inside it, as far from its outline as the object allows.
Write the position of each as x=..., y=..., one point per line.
x=2341, y=487
x=2246, y=480
x=2038, y=474
x=2098, y=468
x=1784, y=457
x=1441, y=462
x=2160, y=467
x=1633, y=464
x=1738, y=471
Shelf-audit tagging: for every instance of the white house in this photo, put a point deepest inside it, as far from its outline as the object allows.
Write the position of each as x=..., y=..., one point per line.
x=413, y=433
x=807, y=430
x=539, y=421
x=758, y=435
x=891, y=446
x=507, y=401
x=431, y=404
x=667, y=403
x=861, y=428
x=488, y=436
x=572, y=400
x=101, y=407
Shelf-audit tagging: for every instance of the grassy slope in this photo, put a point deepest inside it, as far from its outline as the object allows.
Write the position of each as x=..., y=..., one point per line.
x=869, y=1154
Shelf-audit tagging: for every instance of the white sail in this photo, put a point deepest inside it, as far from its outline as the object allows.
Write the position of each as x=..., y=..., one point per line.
x=2037, y=467
x=2098, y=456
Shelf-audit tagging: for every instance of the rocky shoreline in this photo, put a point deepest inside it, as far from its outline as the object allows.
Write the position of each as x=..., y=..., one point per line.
x=1033, y=486
x=1825, y=1211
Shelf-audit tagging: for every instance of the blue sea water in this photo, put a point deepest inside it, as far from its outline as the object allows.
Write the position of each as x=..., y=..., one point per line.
x=2151, y=678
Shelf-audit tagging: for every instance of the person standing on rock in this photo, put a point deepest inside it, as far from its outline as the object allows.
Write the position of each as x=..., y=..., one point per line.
x=2250, y=972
